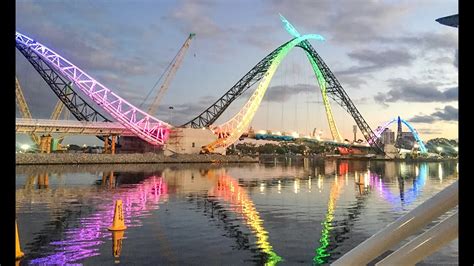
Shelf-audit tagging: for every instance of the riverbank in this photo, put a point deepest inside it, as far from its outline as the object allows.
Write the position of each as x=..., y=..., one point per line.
x=134, y=158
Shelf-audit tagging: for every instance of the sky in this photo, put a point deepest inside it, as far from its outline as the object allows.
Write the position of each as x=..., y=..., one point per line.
x=391, y=57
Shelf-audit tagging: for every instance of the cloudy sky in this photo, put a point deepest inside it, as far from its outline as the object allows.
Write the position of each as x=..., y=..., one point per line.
x=391, y=57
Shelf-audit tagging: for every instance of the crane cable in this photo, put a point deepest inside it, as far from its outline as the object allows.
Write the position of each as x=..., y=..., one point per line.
x=159, y=79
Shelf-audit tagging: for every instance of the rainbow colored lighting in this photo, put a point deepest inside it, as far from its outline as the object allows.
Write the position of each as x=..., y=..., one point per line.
x=82, y=242
x=381, y=129
x=148, y=128
x=409, y=196
x=230, y=131
x=229, y=190
x=322, y=82
x=321, y=251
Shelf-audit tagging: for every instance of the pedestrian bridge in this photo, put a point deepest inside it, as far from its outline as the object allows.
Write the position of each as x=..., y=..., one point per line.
x=47, y=126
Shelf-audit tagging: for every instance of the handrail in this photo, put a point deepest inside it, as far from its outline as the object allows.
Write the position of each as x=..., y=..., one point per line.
x=425, y=244
x=403, y=227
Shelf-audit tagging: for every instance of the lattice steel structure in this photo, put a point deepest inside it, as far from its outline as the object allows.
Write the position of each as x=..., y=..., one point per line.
x=147, y=127
x=230, y=131
x=79, y=108
x=335, y=91
x=329, y=85
x=212, y=113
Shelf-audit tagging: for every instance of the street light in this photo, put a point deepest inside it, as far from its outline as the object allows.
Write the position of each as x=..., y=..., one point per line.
x=25, y=147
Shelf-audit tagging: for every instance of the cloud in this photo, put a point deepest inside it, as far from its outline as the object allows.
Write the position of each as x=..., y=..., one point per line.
x=448, y=113
x=428, y=41
x=344, y=21
x=456, y=58
x=412, y=91
x=349, y=81
x=430, y=131
x=92, y=50
x=191, y=16
x=182, y=113
x=283, y=93
x=374, y=61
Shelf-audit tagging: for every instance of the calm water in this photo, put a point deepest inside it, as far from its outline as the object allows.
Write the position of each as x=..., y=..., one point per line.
x=283, y=213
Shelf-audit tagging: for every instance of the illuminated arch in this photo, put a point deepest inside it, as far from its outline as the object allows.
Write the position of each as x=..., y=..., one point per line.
x=147, y=127
x=231, y=130
x=378, y=132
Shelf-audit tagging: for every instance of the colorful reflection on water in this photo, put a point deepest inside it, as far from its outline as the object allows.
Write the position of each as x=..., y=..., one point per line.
x=229, y=190
x=330, y=207
x=81, y=242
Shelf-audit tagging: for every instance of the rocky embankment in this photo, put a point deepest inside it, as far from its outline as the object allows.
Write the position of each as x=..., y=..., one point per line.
x=86, y=158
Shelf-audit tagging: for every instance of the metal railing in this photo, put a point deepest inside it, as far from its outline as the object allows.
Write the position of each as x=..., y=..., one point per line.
x=407, y=225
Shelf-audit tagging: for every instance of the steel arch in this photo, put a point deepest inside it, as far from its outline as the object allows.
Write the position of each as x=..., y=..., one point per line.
x=80, y=109
x=380, y=130
x=147, y=127
x=231, y=130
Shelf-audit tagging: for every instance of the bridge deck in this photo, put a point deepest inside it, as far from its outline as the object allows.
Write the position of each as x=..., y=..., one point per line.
x=47, y=126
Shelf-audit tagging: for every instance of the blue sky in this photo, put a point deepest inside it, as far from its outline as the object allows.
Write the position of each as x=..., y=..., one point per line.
x=391, y=57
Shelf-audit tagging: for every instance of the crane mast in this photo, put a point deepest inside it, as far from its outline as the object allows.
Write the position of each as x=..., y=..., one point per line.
x=172, y=72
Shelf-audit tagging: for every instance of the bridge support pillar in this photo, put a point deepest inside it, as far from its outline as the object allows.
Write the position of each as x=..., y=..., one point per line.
x=45, y=144
x=112, y=148
x=106, y=144
x=43, y=180
x=111, y=179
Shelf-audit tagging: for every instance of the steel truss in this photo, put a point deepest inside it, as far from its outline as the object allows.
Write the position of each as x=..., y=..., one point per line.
x=81, y=110
x=335, y=91
x=147, y=127
x=211, y=114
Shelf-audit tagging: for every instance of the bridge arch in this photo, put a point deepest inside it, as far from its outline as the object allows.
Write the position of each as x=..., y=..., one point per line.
x=145, y=126
x=235, y=127
x=380, y=130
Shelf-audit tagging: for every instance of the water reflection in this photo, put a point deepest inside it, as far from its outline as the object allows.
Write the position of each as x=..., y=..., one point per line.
x=82, y=241
x=313, y=212
x=407, y=197
x=321, y=252
x=229, y=190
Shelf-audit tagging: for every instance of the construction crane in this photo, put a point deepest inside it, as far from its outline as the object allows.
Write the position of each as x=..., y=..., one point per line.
x=24, y=110
x=175, y=64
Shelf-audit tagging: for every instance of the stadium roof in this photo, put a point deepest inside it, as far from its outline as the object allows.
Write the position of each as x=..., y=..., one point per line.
x=452, y=20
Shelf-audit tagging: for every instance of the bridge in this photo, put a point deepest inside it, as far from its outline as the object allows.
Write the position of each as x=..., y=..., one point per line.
x=48, y=126
x=200, y=134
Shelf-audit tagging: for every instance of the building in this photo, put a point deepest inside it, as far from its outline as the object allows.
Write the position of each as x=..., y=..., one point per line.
x=407, y=140
x=388, y=136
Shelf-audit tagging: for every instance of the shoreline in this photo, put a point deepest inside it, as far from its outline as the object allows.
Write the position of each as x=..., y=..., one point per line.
x=153, y=158
x=125, y=158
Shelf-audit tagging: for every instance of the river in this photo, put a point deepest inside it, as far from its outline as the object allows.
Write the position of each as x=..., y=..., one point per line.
x=212, y=214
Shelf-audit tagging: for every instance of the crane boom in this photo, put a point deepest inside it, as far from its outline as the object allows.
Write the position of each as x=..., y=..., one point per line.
x=172, y=72
x=24, y=110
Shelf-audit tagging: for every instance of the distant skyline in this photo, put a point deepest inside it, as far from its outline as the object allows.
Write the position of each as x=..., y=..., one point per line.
x=391, y=57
